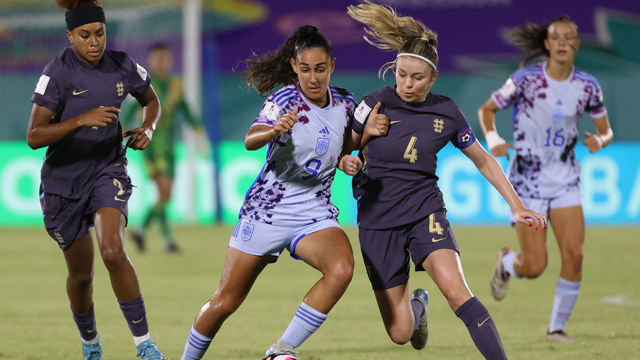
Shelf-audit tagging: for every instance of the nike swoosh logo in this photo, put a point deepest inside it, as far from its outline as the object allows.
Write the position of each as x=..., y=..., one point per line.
x=485, y=320
x=90, y=331
x=78, y=93
x=116, y=198
x=135, y=322
x=436, y=240
x=393, y=122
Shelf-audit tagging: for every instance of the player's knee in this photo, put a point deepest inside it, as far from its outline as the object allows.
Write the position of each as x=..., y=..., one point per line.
x=225, y=306
x=81, y=281
x=534, y=270
x=113, y=257
x=573, y=259
x=400, y=335
x=341, y=273
x=456, y=297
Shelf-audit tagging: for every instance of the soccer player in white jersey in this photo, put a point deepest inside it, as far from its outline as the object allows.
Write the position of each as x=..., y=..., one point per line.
x=289, y=205
x=549, y=99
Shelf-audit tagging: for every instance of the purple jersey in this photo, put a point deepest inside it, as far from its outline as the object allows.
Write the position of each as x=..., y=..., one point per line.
x=70, y=87
x=398, y=183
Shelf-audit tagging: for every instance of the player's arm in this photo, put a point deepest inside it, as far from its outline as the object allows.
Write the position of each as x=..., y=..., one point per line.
x=139, y=138
x=491, y=170
x=487, y=116
x=603, y=137
x=41, y=132
x=260, y=135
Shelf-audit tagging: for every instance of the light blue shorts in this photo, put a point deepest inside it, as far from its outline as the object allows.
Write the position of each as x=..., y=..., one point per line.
x=542, y=206
x=257, y=238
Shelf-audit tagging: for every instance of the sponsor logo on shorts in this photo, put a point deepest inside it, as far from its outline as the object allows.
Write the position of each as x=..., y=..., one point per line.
x=436, y=240
x=76, y=92
x=247, y=231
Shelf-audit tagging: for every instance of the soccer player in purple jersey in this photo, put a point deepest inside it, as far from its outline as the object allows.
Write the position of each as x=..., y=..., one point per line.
x=289, y=205
x=549, y=99
x=84, y=178
x=401, y=211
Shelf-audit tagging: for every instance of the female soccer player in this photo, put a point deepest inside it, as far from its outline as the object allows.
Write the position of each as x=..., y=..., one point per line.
x=400, y=208
x=549, y=99
x=289, y=205
x=84, y=178
x=159, y=156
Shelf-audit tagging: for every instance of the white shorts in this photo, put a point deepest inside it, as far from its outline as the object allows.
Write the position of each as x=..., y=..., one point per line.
x=542, y=206
x=257, y=238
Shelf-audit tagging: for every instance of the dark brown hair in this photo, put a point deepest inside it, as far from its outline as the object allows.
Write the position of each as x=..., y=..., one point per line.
x=529, y=38
x=265, y=72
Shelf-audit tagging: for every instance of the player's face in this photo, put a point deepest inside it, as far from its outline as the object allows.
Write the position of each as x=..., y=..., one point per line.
x=88, y=42
x=562, y=42
x=314, y=68
x=414, y=78
x=160, y=62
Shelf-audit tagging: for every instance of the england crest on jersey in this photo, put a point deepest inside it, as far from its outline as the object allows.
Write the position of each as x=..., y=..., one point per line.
x=322, y=146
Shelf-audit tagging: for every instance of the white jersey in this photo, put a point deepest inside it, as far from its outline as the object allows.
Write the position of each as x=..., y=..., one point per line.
x=294, y=186
x=545, y=123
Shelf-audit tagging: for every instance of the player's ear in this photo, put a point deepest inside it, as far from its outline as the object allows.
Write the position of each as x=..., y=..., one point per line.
x=333, y=65
x=293, y=65
x=70, y=36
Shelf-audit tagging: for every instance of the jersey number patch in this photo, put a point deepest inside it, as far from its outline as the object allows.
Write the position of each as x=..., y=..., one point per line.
x=411, y=153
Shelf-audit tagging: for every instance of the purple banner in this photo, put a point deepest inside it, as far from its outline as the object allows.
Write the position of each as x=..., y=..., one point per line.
x=466, y=28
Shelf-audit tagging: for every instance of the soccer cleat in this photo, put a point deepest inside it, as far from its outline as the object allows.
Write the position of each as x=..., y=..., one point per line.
x=92, y=351
x=172, y=248
x=138, y=238
x=281, y=350
x=282, y=356
x=148, y=350
x=500, y=279
x=421, y=333
x=561, y=336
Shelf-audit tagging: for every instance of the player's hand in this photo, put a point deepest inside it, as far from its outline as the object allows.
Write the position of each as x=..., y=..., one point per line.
x=502, y=150
x=593, y=142
x=531, y=218
x=285, y=123
x=350, y=164
x=139, y=138
x=102, y=116
x=377, y=124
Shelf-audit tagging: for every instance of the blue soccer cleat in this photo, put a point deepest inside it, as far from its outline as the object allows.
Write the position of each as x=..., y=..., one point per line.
x=421, y=333
x=148, y=350
x=92, y=351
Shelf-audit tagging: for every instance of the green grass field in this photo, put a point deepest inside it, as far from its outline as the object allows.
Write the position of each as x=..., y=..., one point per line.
x=36, y=323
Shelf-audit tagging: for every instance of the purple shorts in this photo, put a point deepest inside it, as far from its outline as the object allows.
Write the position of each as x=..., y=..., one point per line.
x=69, y=219
x=386, y=252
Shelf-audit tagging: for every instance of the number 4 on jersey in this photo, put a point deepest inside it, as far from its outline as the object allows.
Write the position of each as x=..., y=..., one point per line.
x=411, y=153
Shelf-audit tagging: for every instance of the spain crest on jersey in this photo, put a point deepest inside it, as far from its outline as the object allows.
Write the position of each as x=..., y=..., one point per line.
x=322, y=146
x=247, y=231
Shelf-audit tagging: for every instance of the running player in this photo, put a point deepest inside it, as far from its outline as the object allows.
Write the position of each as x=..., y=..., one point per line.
x=159, y=156
x=84, y=176
x=549, y=99
x=289, y=205
x=401, y=211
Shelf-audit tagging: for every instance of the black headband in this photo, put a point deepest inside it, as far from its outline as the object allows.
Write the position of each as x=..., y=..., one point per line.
x=84, y=15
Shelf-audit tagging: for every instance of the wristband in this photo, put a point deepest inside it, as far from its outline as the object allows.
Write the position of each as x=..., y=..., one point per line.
x=493, y=139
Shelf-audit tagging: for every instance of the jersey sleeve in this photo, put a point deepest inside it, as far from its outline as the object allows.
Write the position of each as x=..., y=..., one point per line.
x=464, y=136
x=47, y=92
x=269, y=113
x=506, y=95
x=361, y=114
x=595, y=105
x=139, y=79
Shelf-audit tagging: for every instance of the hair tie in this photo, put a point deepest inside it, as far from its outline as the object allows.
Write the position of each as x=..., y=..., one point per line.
x=419, y=57
x=84, y=15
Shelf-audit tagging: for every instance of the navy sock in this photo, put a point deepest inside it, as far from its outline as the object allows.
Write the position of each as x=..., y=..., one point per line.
x=482, y=329
x=418, y=311
x=136, y=316
x=86, y=324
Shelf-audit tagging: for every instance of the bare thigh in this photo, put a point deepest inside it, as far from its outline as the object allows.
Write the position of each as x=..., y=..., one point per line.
x=445, y=269
x=569, y=227
x=532, y=260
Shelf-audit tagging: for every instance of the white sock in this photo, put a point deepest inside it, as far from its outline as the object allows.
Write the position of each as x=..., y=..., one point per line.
x=95, y=340
x=196, y=346
x=507, y=263
x=140, y=339
x=306, y=321
x=565, y=299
